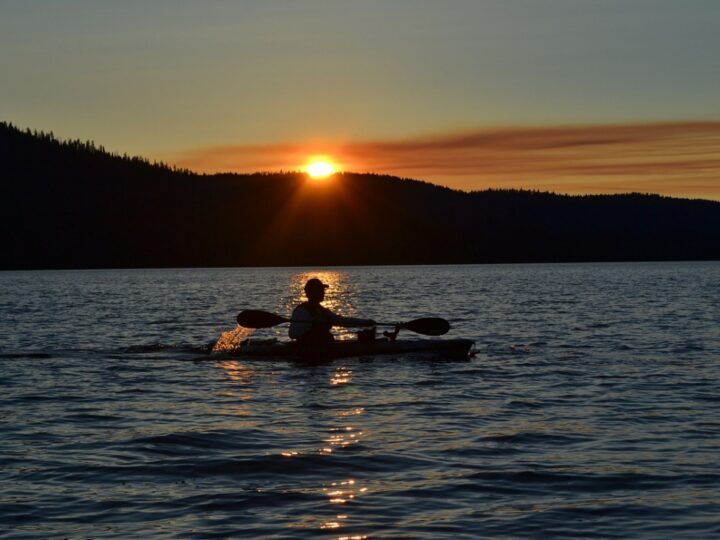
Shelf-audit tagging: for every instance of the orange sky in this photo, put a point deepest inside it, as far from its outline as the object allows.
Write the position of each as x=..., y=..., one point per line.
x=672, y=158
x=562, y=95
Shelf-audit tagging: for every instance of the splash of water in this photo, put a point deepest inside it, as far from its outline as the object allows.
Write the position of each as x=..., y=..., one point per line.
x=232, y=339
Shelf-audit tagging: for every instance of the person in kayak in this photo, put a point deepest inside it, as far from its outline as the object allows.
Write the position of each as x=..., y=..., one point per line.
x=311, y=322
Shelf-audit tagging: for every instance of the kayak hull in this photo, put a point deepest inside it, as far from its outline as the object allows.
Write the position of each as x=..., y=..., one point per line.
x=448, y=348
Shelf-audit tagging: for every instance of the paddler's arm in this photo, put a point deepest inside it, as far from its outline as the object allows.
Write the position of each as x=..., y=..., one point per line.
x=339, y=320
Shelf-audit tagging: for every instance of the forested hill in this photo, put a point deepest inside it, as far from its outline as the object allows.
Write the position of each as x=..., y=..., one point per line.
x=73, y=205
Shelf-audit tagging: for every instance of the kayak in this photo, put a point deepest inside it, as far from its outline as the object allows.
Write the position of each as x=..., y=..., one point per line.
x=448, y=348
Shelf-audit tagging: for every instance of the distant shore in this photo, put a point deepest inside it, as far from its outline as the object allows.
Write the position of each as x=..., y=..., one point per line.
x=74, y=205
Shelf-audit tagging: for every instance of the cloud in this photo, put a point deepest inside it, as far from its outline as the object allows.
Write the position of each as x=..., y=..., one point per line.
x=674, y=158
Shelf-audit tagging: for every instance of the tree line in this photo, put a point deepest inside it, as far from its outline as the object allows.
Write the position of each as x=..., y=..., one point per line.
x=72, y=204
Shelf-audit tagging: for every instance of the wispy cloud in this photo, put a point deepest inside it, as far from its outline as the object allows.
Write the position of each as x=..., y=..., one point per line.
x=675, y=158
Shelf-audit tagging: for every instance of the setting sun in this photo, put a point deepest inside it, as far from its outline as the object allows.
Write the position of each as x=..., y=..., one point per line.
x=320, y=169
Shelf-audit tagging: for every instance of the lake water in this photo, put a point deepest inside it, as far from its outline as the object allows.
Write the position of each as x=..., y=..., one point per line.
x=592, y=407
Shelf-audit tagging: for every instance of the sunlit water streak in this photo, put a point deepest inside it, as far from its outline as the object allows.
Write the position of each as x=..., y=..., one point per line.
x=591, y=409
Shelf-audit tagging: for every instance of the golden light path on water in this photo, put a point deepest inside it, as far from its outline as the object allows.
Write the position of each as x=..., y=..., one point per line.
x=345, y=433
x=344, y=430
x=240, y=393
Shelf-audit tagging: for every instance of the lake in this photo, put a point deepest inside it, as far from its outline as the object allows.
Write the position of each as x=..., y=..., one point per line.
x=591, y=409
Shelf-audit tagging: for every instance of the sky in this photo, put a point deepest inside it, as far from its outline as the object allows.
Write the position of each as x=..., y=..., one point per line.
x=573, y=96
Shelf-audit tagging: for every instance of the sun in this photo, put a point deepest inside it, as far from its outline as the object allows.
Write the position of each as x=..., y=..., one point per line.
x=320, y=169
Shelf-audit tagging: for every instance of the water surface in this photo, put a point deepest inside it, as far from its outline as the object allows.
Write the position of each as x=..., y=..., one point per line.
x=591, y=409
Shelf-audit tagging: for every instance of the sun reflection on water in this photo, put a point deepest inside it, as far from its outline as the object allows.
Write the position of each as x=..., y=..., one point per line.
x=343, y=491
x=352, y=412
x=342, y=375
x=238, y=394
x=344, y=437
x=236, y=370
x=343, y=432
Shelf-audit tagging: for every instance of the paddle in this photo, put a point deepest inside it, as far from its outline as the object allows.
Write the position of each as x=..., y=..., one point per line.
x=429, y=326
x=254, y=318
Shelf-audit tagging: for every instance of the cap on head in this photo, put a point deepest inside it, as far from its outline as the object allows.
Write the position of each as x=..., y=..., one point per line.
x=314, y=284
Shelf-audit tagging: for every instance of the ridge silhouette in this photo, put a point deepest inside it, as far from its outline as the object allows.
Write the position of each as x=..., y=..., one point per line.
x=74, y=205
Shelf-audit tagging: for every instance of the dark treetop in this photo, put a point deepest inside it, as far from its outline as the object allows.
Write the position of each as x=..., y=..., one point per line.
x=73, y=205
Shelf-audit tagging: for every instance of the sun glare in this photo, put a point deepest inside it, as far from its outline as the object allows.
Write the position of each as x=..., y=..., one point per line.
x=320, y=169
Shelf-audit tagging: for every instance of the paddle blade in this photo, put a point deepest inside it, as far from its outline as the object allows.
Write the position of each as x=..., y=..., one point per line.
x=254, y=318
x=429, y=326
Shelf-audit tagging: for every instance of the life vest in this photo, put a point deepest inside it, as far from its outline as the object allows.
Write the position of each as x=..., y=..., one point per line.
x=320, y=327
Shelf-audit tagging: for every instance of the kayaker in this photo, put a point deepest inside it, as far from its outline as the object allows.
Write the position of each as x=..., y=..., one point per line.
x=311, y=322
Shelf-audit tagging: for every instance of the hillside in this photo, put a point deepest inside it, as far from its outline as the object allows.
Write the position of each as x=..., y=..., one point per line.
x=73, y=205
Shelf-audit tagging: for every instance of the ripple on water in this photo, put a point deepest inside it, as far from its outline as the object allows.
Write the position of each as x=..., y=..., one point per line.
x=590, y=411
